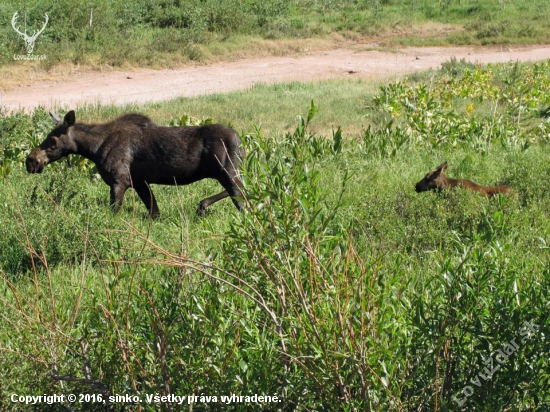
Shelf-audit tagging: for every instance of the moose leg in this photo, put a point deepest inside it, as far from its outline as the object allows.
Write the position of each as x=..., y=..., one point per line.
x=203, y=205
x=231, y=185
x=117, y=195
x=146, y=194
x=234, y=192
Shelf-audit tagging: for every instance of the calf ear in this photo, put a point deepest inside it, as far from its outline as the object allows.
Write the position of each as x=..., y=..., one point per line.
x=443, y=166
x=69, y=119
x=438, y=170
x=55, y=118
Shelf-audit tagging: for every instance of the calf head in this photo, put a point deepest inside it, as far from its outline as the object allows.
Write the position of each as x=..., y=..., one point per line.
x=56, y=145
x=434, y=180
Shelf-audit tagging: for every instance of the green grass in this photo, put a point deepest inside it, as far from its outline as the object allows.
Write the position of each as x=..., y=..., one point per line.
x=164, y=33
x=339, y=288
x=340, y=102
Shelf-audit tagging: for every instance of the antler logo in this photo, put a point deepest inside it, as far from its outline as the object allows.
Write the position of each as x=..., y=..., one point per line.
x=29, y=40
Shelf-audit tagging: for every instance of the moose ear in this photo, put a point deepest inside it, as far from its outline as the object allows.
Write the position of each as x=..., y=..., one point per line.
x=442, y=167
x=434, y=174
x=69, y=119
x=55, y=118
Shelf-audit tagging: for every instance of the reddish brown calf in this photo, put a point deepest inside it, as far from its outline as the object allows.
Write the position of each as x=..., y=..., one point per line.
x=437, y=180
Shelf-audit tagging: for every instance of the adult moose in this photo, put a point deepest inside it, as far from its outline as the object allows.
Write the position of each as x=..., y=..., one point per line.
x=132, y=151
x=438, y=180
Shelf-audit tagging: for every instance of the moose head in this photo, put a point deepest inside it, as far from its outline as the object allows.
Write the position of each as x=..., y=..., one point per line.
x=434, y=180
x=56, y=145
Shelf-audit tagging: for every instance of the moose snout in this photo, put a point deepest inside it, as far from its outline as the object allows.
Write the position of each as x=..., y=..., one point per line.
x=32, y=165
x=35, y=164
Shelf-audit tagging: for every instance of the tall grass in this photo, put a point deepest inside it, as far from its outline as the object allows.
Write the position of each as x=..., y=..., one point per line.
x=339, y=288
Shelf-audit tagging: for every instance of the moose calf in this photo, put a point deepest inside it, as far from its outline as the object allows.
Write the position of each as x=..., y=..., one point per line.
x=132, y=151
x=437, y=180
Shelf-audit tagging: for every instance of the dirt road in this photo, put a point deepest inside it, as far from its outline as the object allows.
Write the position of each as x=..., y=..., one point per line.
x=144, y=85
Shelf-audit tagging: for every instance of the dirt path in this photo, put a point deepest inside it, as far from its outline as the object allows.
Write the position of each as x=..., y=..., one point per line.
x=144, y=85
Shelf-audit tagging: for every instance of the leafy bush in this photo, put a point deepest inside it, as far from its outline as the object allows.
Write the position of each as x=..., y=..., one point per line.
x=428, y=117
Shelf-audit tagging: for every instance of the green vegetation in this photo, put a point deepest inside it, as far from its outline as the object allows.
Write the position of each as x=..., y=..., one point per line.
x=340, y=288
x=167, y=32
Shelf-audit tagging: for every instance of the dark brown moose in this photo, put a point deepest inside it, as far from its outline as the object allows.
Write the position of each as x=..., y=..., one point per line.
x=132, y=151
x=437, y=180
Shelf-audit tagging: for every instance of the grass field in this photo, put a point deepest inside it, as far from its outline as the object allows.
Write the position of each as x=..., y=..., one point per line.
x=339, y=288
x=164, y=33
